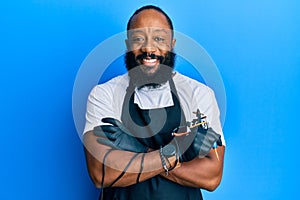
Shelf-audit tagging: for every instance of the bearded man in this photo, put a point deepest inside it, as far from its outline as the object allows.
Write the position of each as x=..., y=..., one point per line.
x=153, y=133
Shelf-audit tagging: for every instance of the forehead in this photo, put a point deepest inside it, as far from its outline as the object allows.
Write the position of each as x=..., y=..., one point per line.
x=149, y=18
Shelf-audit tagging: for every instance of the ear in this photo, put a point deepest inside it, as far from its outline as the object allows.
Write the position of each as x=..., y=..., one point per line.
x=127, y=44
x=173, y=43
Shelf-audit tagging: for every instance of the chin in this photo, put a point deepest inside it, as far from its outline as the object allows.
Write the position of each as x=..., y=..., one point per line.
x=149, y=70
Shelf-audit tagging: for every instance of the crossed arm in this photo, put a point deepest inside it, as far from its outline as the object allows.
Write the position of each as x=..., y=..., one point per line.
x=203, y=173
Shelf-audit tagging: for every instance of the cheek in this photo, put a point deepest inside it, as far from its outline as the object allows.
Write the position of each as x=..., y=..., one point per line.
x=163, y=53
x=136, y=53
x=134, y=47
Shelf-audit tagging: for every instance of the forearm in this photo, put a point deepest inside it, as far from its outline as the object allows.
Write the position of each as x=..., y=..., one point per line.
x=115, y=163
x=203, y=173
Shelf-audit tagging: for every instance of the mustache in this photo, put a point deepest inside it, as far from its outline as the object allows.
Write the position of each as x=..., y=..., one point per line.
x=150, y=55
x=131, y=60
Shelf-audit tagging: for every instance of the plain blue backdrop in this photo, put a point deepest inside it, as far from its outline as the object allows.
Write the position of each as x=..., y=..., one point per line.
x=254, y=43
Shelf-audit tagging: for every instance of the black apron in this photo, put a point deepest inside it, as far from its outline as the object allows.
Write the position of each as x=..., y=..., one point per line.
x=156, y=126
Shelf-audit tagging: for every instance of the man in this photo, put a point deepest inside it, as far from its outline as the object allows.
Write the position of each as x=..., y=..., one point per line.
x=152, y=133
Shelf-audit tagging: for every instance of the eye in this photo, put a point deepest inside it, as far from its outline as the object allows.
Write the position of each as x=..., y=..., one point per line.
x=137, y=39
x=159, y=39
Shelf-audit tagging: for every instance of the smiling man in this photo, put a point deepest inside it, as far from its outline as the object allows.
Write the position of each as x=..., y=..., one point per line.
x=153, y=133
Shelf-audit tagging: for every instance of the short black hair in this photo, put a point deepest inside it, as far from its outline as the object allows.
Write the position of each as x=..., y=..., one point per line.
x=150, y=7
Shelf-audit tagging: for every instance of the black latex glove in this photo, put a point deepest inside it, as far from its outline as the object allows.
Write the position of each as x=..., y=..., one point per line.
x=118, y=137
x=198, y=143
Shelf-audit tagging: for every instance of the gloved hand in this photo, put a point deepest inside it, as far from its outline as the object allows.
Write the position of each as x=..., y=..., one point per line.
x=198, y=143
x=118, y=137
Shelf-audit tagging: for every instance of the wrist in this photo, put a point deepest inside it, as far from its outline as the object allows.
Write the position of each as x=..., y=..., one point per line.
x=173, y=162
x=169, y=158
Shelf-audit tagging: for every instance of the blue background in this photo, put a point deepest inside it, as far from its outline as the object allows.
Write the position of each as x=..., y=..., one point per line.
x=254, y=43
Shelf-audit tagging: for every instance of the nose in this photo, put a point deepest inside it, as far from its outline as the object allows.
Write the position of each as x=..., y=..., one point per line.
x=148, y=47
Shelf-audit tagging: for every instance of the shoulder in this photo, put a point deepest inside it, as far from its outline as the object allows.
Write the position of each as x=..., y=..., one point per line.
x=191, y=86
x=112, y=86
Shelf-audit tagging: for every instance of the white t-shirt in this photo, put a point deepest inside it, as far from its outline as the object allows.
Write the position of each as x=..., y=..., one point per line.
x=106, y=100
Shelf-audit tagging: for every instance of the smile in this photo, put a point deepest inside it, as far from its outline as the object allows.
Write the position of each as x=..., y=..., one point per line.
x=149, y=62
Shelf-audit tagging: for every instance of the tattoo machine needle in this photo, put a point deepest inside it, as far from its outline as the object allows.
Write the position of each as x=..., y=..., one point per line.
x=215, y=145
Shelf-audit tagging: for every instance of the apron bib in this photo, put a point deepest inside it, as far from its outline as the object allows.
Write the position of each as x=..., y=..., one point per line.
x=153, y=128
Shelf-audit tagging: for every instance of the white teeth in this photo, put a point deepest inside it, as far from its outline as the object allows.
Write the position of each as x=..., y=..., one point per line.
x=149, y=60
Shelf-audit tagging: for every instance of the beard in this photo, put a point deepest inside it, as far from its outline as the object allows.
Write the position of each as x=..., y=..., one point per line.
x=139, y=78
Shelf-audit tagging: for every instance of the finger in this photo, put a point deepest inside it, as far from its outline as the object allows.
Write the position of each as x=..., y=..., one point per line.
x=212, y=134
x=107, y=131
x=112, y=121
x=208, y=141
x=219, y=141
x=109, y=128
x=117, y=123
x=107, y=143
x=98, y=131
x=112, y=136
x=111, y=132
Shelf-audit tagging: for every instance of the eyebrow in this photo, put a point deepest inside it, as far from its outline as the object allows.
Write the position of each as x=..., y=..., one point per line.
x=141, y=31
x=161, y=30
x=136, y=31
